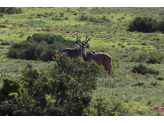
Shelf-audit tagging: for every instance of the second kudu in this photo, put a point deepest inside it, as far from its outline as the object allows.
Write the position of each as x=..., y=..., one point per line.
x=101, y=58
x=74, y=52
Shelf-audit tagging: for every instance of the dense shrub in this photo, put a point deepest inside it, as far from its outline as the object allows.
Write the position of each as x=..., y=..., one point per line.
x=144, y=70
x=83, y=17
x=161, y=26
x=103, y=20
x=3, y=26
x=39, y=47
x=145, y=24
x=5, y=43
x=66, y=91
x=8, y=89
x=11, y=10
x=74, y=82
x=101, y=108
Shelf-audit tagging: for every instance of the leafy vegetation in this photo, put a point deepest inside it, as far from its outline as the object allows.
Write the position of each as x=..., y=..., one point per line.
x=154, y=57
x=39, y=47
x=70, y=89
x=145, y=24
x=117, y=31
x=144, y=70
x=10, y=10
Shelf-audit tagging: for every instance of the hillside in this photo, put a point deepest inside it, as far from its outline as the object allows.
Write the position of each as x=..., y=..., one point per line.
x=137, y=83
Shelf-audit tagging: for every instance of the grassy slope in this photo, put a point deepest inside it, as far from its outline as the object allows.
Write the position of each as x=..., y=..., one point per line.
x=112, y=35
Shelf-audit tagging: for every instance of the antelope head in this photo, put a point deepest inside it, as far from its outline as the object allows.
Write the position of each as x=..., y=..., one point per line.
x=83, y=43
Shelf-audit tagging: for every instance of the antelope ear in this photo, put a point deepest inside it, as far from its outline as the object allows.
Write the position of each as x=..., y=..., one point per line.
x=86, y=46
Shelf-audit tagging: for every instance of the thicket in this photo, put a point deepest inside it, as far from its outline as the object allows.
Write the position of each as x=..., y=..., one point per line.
x=65, y=90
x=5, y=43
x=144, y=70
x=146, y=24
x=10, y=10
x=39, y=47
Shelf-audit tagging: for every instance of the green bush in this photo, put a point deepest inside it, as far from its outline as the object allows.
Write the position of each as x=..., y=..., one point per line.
x=161, y=26
x=30, y=99
x=5, y=43
x=12, y=10
x=93, y=19
x=83, y=17
x=47, y=55
x=143, y=24
x=67, y=91
x=3, y=26
x=39, y=47
x=101, y=108
x=103, y=20
x=73, y=84
x=56, y=19
x=160, y=78
x=144, y=70
x=10, y=87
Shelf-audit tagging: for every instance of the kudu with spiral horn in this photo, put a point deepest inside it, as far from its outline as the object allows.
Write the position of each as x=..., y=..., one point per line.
x=101, y=58
x=73, y=52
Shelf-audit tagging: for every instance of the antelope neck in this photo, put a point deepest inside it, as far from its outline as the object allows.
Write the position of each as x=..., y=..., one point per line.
x=85, y=55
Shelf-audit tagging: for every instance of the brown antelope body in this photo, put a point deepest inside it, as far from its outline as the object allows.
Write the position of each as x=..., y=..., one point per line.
x=101, y=58
x=72, y=53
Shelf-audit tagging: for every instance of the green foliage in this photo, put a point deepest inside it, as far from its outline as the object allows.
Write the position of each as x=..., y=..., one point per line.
x=31, y=23
x=74, y=82
x=151, y=57
x=5, y=43
x=161, y=26
x=56, y=19
x=160, y=78
x=155, y=57
x=85, y=17
x=61, y=14
x=10, y=87
x=30, y=99
x=102, y=108
x=145, y=24
x=39, y=47
x=11, y=10
x=3, y=26
x=144, y=70
x=66, y=92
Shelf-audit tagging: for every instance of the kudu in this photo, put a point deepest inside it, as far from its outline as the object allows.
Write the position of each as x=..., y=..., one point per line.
x=73, y=53
x=101, y=58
